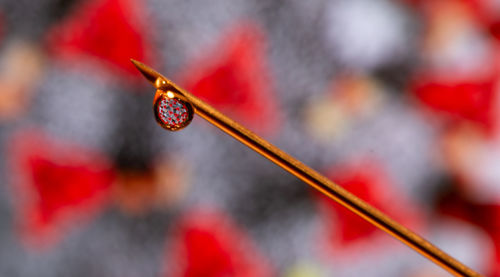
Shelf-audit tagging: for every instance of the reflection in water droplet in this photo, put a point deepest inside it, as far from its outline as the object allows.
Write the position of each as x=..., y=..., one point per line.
x=173, y=113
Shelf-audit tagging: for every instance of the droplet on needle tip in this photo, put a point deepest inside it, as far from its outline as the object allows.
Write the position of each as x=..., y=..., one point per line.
x=171, y=112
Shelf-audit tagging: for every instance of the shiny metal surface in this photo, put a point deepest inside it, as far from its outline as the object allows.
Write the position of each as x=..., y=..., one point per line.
x=306, y=174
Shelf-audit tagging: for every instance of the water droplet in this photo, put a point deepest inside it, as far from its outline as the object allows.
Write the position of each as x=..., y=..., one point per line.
x=173, y=113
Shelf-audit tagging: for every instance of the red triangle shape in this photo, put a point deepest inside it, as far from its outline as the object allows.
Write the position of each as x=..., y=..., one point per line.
x=368, y=180
x=55, y=184
x=112, y=31
x=208, y=243
x=234, y=77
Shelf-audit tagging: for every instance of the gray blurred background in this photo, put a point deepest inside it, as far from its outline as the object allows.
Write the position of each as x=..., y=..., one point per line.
x=396, y=100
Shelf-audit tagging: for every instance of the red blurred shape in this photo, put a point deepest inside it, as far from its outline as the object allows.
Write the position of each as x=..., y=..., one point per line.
x=495, y=29
x=55, y=185
x=472, y=100
x=209, y=244
x=233, y=76
x=111, y=30
x=369, y=181
x=486, y=216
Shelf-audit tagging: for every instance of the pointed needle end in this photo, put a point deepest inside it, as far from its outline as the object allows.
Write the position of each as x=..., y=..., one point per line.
x=150, y=74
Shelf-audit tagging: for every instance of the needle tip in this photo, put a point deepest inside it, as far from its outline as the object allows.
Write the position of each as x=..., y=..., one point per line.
x=150, y=74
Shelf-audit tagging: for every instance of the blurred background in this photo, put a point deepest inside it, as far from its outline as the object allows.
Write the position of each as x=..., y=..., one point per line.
x=395, y=100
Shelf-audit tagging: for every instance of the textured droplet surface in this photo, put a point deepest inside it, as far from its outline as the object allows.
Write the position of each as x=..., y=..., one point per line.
x=173, y=113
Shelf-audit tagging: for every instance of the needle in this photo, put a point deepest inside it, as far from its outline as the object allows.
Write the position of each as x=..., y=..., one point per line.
x=166, y=87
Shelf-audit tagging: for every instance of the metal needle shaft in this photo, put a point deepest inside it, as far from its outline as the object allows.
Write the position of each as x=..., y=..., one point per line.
x=310, y=176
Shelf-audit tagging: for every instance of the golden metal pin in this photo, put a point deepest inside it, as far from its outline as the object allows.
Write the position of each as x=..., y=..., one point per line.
x=174, y=109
